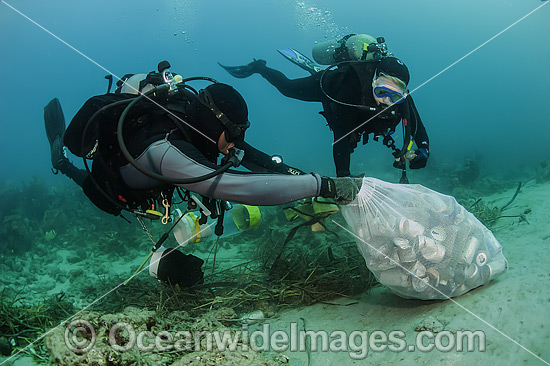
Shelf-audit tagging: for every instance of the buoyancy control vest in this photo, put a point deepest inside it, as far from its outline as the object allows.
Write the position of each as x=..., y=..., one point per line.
x=92, y=135
x=354, y=79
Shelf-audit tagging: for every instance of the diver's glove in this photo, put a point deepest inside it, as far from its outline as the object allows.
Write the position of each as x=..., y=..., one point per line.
x=343, y=190
x=58, y=155
x=420, y=160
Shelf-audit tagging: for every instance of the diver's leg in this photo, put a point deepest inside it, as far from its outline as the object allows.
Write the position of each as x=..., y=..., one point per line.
x=54, y=121
x=341, y=152
x=62, y=164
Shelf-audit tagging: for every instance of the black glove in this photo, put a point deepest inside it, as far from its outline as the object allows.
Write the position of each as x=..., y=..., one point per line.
x=343, y=190
x=176, y=268
x=420, y=160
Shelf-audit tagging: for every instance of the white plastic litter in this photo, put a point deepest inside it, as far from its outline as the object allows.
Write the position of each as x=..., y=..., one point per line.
x=420, y=243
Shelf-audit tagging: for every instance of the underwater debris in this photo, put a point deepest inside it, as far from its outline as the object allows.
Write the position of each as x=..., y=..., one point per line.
x=253, y=317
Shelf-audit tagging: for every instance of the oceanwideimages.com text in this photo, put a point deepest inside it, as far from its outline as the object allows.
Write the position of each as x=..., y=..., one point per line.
x=80, y=337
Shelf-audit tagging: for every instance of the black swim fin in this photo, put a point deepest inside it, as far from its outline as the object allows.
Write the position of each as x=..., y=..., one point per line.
x=301, y=60
x=54, y=120
x=240, y=72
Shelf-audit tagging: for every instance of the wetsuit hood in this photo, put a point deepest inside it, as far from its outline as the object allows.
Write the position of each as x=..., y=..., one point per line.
x=205, y=125
x=393, y=66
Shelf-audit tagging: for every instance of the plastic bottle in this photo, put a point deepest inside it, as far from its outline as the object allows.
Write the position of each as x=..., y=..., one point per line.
x=240, y=218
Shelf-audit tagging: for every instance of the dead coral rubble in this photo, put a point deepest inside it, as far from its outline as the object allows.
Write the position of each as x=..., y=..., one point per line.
x=109, y=329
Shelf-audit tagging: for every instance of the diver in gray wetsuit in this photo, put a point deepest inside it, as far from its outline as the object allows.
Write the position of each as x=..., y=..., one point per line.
x=181, y=141
x=143, y=148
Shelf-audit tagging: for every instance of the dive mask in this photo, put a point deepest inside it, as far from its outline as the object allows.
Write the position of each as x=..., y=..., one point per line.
x=383, y=92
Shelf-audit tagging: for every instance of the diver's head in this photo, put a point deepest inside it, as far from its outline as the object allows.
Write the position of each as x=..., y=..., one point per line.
x=390, y=81
x=392, y=66
x=229, y=108
x=221, y=114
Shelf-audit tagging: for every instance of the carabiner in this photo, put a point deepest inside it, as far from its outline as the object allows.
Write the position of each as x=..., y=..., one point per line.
x=166, y=217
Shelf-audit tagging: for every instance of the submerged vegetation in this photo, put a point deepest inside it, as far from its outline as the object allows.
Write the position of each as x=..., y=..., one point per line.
x=489, y=215
x=276, y=266
x=312, y=267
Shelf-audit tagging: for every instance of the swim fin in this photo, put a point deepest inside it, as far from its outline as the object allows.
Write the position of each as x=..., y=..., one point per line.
x=301, y=60
x=240, y=72
x=54, y=120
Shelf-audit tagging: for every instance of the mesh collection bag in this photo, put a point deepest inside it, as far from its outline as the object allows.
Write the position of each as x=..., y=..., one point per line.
x=420, y=243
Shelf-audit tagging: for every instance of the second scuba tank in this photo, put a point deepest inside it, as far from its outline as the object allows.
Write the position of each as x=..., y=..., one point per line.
x=347, y=48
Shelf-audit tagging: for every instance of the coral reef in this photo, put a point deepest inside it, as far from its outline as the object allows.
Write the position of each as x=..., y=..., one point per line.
x=17, y=234
x=55, y=219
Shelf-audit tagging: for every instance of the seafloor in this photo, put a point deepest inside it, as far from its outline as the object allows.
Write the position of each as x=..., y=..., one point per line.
x=63, y=256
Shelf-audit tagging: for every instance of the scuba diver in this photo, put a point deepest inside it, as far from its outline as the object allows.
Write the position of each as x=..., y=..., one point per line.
x=364, y=91
x=156, y=135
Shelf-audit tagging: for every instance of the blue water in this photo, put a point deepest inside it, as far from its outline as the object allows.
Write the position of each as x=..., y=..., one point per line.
x=493, y=104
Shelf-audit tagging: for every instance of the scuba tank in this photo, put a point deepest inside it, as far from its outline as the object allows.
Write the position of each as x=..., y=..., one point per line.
x=352, y=47
x=133, y=84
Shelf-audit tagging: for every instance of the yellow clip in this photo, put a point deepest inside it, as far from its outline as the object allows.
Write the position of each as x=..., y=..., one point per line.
x=166, y=211
x=153, y=215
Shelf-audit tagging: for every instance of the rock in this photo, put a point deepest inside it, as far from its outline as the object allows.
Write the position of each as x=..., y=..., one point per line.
x=5, y=346
x=431, y=324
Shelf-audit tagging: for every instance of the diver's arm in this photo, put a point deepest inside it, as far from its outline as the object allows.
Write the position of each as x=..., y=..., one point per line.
x=418, y=130
x=258, y=161
x=306, y=89
x=179, y=159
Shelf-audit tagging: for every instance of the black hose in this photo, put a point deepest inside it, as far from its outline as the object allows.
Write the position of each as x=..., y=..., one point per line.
x=359, y=106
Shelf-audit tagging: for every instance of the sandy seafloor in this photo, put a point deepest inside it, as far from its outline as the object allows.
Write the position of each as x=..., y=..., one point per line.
x=512, y=311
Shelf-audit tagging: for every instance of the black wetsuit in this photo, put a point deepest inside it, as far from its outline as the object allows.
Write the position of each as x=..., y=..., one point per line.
x=350, y=83
x=162, y=146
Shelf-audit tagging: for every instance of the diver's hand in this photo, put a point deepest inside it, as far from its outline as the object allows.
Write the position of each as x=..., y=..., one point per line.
x=343, y=190
x=420, y=160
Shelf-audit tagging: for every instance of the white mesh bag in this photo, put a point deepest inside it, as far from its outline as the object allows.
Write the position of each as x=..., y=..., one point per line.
x=420, y=243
